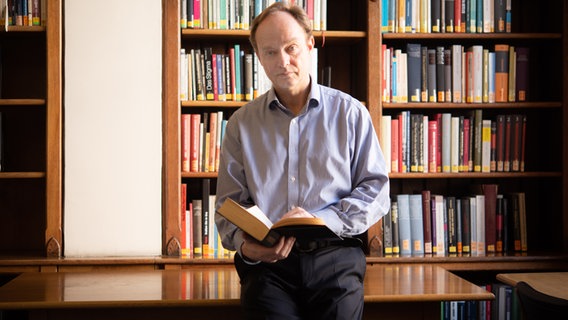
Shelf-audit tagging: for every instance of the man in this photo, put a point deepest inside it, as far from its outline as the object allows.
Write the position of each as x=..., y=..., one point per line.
x=300, y=150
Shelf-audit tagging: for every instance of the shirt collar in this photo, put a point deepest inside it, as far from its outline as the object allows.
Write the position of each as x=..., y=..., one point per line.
x=314, y=97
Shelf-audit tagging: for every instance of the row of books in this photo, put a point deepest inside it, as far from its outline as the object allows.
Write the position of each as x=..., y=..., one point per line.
x=238, y=14
x=455, y=74
x=505, y=306
x=430, y=16
x=451, y=143
x=480, y=224
x=199, y=235
x=22, y=13
x=232, y=76
x=201, y=138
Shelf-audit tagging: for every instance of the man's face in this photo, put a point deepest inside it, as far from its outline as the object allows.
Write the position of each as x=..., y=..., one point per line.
x=284, y=52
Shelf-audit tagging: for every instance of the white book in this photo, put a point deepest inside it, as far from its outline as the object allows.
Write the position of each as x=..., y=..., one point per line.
x=454, y=144
x=480, y=224
x=477, y=73
x=488, y=6
x=457, y=52
x=446, y=141
x=473, y=227
x=385, y=144
x=440, y=230
x=183, y=76
x=425, y=145
x=491, y=72
x=317, y=15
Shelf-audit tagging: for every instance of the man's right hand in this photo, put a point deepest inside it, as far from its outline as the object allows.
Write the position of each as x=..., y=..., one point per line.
x=253, y=250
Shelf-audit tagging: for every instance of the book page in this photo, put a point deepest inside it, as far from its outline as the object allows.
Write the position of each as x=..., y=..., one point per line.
x=257, y=213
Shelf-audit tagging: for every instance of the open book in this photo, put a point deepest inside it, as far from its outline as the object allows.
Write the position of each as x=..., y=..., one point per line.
x=254, y=222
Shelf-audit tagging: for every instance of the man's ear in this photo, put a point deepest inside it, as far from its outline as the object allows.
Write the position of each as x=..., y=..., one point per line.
x=311, y=43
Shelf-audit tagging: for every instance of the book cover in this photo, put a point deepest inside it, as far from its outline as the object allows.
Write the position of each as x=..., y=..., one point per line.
x=449, y=20
x=522, y=73
x=432, y=86
x=404, y=228
x=386, y=140
x=427, y=220
x=416, y=224
x=395, y=228
x=395, y=143
x=197, y=205
x=491, y=76
x=387, y=233
x=248, y=77
x=493, y=160
x=499, y=223
x=424, y=74
x=438, y=210
x=208, y=60
x=415, y=145
x=185, y=142
x=448, y=75
x=477, y=139
x=501, y=72
x=254, y=222
x=454, y=144
x=194, y=142
x=499, y=14
x=516, y=142
x=414, y=59
x=486, y=146
x=452, y=225
x=480, y=224
x=432, y=145
x=436, y=15
x=512, y=74
x=500, y=142
x=458, y=15
x=490, y=192
x=465, y=224
x=205, y=206
x=457, y=51
x=440, y=74
x=446, y=141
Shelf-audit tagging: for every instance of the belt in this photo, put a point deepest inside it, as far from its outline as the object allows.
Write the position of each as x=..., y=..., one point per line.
x=313, y=245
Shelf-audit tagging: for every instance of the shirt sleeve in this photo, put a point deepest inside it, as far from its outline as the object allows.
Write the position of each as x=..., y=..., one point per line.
x=369, y=199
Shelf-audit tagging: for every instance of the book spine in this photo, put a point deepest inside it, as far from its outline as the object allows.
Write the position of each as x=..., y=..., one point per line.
x=501, y=72
x=427, y=221
x=416, y=224
x=404, y=227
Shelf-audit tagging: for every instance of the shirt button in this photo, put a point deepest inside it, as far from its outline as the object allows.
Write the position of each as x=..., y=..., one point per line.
x=292, y=178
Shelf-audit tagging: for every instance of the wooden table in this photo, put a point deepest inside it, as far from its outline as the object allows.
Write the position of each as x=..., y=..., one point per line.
x=550, y=283
x=391, y=292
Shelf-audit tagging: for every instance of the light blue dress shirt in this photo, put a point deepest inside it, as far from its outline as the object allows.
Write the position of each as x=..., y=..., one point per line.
x=326, y=160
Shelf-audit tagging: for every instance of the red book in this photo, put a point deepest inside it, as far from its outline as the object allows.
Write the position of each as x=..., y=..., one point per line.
x=507, y=142
x=500, y=143
x=466, y=150
x=215, y=77
x=493, y=160
x=438, y=118
x=185, y=142
x=490, y=193
x=432, y=145
x=183, y=217
x=395, y=142
x=457, y=16
x=233, y=79
x=523, y=137
x=516, y=143
x=194, y=146
x=212, y=140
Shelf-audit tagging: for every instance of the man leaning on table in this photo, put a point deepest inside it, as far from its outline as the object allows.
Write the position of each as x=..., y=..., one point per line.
x=300, y=150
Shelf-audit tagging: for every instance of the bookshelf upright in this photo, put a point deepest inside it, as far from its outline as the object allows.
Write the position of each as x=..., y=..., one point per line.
x=31, y=108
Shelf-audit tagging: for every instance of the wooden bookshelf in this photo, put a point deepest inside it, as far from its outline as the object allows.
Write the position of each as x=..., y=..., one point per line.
x=542, y=27
x=548, y=233
x=31, y=107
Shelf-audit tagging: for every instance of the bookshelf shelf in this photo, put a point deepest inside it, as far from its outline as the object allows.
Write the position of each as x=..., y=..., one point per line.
x=473, y=36
x=22, y=175
x=22, y=102
x=472, y=106
x=23, y=29
x=213, y=104
x=476, y=175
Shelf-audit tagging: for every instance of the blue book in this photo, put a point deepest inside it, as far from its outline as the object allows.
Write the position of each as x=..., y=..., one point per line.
x=404, y=233
x=416, y=225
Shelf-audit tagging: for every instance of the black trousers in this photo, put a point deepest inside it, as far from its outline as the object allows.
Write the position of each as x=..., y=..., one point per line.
x=323, y=284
